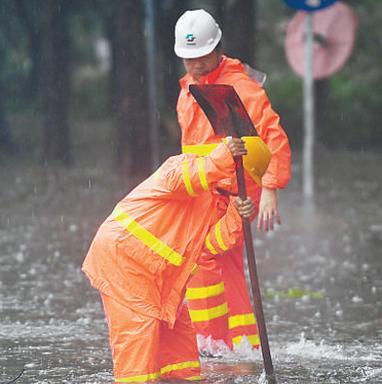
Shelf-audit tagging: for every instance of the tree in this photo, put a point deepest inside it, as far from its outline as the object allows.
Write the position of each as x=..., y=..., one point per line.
x=55, y=80
x=239, y=29
x=168, y=14
x=130, y=95
x=27, y=12
x=7, y=32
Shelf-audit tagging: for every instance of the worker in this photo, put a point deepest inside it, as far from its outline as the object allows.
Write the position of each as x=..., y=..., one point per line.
x=145, y=252
x=217, y=296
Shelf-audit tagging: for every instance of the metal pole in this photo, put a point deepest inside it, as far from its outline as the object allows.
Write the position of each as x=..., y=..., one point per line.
x=308, y=148
x=258, y=306
x=152, y=85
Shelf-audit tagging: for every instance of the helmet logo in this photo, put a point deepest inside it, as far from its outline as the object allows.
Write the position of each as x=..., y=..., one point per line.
x=190, y=39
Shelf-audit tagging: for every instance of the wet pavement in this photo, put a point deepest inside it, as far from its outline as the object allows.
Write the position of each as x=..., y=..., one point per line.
x=320, y=272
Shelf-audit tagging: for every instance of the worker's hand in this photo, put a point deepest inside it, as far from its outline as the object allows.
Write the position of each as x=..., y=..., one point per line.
x=246, y=208
x=236, y=146
x=268, y=211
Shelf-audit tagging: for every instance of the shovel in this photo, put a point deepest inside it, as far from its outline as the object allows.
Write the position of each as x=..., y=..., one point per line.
x=228, y=117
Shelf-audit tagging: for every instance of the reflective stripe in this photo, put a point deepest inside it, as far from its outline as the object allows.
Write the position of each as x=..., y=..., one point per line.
x=200, y=149
x=209, y=313
x=209, y=246
x=138, y=379
x=142, y=234
x=156, y=174
x=202, y=173
x=253, y=339
x=177, y=366
x=219, y=238
x=205, y=292
x=194, y=269
x=194, y=378
x=186, y=178
x=241, y=320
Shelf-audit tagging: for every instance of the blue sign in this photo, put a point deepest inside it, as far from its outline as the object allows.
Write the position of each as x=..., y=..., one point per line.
x=309, y=5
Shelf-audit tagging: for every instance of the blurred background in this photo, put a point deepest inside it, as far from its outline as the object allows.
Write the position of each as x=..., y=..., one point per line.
x=74, y=77
x=76, y=129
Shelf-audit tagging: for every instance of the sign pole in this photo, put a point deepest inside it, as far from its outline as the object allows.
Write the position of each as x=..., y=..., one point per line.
x=308, y=93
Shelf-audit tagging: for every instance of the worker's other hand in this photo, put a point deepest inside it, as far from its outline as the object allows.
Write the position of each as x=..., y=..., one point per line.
x=236, y=146
x=268, y=210
x=246, y=208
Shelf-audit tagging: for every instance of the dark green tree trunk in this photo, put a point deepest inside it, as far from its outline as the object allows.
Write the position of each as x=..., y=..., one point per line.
x=6, y=139
x=55, y=80
x=171, y=66
x=239, y=29
x=132, y=144
x=32, y=27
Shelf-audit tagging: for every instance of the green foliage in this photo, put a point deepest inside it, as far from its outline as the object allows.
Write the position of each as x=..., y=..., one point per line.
x=352, y=112
x=15, y=62
x=286, y=96
x=294, y=293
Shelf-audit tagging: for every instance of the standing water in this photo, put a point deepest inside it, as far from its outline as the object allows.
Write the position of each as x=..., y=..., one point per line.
x=320, y=274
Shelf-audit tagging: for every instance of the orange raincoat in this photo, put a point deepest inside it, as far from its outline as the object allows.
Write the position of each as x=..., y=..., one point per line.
x=217, y=296
x=143, y=256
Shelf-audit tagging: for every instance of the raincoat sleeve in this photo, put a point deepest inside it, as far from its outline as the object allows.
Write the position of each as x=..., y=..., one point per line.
x=267, y=124
x=226, y=233
x=194, y=175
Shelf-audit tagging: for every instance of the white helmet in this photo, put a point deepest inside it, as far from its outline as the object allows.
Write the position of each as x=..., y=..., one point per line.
x=196, y=34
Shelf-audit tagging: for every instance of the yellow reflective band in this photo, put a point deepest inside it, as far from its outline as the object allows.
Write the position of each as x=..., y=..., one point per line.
x=208, y=314
x=202, y=173
x=194, y=269
x=200, y=149
x=177, y=366
x=138, y=379
x=241, y=320
x=209, y=246
x=156, y=174
x=194, y=378
x=186, y=178
x=142, y=234
x=253, y=339
x=204, y=292
x=218, y=234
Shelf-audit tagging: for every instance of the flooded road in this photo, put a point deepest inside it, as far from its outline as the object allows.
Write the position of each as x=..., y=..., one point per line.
x=320, y=273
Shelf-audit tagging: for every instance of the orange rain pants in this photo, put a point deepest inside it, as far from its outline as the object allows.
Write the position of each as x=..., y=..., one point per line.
x=140, y=343
x=217, y=296
x=218, y=299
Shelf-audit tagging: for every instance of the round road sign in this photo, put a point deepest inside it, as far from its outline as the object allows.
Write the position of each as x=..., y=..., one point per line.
x=334, y=31
x=309, y=5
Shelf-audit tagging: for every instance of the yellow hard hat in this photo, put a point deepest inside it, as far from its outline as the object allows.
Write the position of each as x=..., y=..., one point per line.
x=257, y=159
x=255, y=162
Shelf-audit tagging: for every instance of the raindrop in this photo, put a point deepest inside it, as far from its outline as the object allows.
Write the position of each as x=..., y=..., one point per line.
x=357, y=299
x=305, y=299
x=20, y=257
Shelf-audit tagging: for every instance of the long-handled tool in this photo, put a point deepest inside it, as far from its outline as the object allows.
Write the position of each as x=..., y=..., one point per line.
x=228, y=117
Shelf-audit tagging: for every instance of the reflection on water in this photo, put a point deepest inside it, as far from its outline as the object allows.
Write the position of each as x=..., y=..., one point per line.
x=320, y=274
